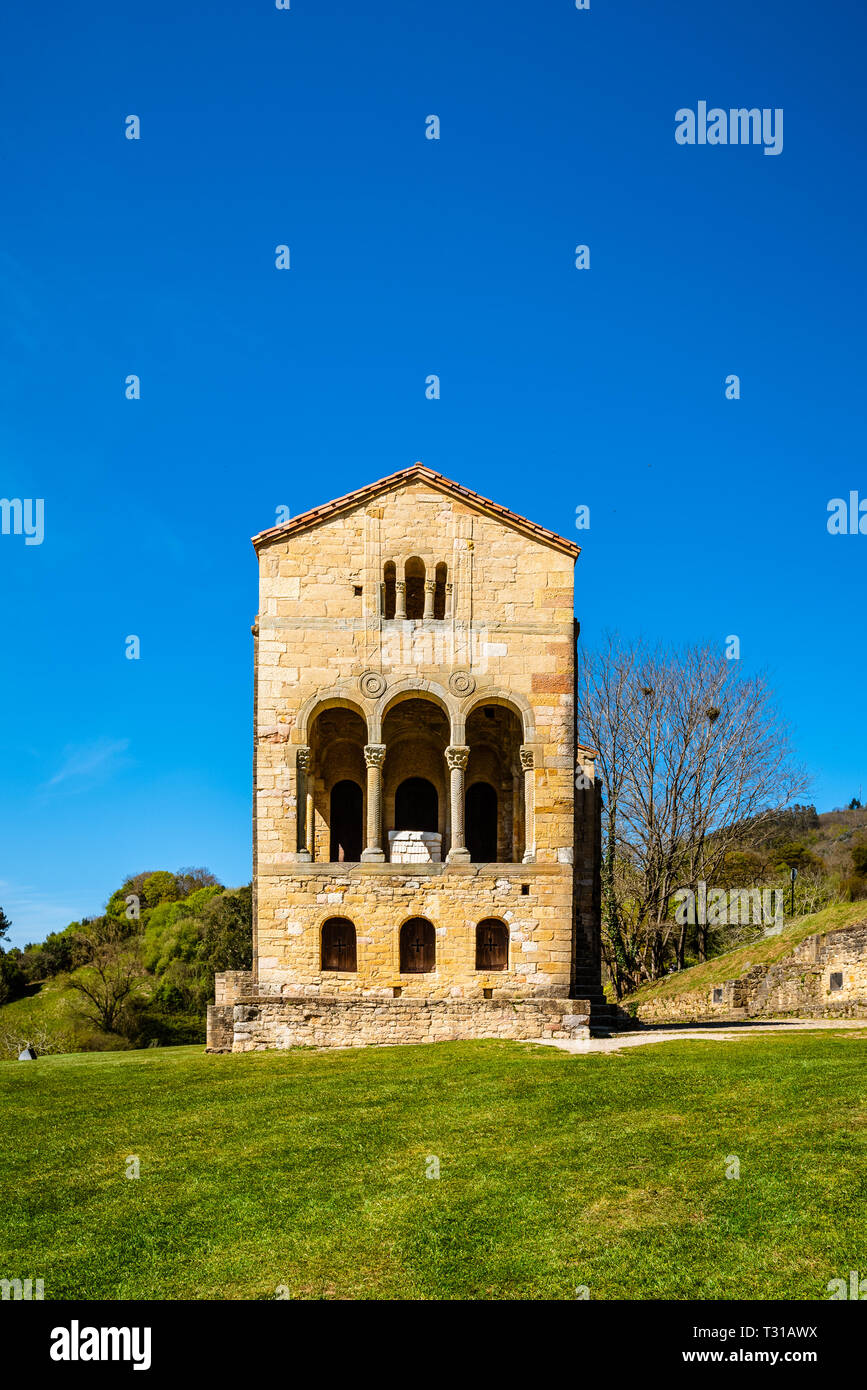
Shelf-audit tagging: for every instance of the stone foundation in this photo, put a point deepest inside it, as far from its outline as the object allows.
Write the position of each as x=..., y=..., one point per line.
x=259, y=1022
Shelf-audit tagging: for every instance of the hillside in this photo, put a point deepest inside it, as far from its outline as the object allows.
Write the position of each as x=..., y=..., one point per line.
x=141, y=974
x=49, y=1016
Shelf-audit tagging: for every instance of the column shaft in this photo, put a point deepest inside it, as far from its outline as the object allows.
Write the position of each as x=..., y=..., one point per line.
x=528, y=763
x=303, y=793
x=456, y=757
x=374, y=757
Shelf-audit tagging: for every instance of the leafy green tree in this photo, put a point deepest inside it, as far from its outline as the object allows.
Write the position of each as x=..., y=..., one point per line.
x=12, y=978
x=5, y=924
x=228, y=937
x=793, y=855
x=859, y=859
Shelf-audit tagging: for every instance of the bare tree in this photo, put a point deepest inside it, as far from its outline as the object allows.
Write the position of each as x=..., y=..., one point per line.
x=111, y=979
x=689, y=750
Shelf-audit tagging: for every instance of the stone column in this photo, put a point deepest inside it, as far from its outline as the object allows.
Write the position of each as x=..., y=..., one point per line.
x=374, y=756
x=309, y=819
x=430, y=589
x=456, y=757
x=303, y=792
x=528, y=763
x=400, y=598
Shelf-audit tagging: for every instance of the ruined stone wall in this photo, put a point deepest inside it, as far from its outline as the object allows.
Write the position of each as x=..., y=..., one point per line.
x=800, y=984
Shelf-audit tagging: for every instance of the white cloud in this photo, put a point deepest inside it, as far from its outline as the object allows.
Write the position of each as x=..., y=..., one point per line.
x=86, y=764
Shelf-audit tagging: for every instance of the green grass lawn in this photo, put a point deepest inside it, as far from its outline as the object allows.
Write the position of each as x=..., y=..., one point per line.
x=308, y=1169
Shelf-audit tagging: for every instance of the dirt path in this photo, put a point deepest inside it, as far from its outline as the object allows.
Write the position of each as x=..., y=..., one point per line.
x=709, y=1033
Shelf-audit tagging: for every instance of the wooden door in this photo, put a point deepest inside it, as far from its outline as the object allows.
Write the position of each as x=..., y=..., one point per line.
x=417, y=947
x=492, y=945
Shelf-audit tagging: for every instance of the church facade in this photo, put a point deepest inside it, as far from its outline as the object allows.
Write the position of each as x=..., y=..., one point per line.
x=426, y=826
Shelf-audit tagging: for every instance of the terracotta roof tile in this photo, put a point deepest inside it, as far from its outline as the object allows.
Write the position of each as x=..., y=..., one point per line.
x=417, y=472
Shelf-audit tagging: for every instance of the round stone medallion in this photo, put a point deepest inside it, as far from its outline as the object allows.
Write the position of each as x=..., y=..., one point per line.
x=461, y=683
x=372, y=684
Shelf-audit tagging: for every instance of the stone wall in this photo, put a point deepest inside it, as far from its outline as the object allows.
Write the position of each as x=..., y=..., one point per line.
x=330, y=1021
x=799, y=984
x=532, y=900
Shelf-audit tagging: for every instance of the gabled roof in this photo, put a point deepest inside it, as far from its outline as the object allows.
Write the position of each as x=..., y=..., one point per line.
x=417, y=473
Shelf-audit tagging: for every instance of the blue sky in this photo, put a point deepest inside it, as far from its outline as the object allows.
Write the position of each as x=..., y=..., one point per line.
x=262, y=388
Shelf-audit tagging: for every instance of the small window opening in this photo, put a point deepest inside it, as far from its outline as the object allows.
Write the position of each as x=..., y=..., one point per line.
x=389, y=592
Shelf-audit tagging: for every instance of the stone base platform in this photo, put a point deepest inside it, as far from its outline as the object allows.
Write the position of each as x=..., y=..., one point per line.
x=260, y=1022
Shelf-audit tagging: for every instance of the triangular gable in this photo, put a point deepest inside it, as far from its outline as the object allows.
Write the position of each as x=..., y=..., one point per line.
x=417, y=473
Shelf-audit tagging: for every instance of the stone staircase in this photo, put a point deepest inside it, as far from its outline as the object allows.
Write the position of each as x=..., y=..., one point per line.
x=605, y=1018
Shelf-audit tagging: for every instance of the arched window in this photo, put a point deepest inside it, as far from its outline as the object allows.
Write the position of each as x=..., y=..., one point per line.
x=389, y=593
x=416, y=805
x=338, y=944
x=481, y=823
x=414, y=587
x=492, y=945
x=440, y=591
x=347, y=832
x=418, y=952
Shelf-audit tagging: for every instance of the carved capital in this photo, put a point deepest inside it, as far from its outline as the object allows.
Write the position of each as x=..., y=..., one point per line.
x=528, y=759
x=456, y=756
x=430, y=586
x=374, y=754
x=400, y=585
x=302, y=756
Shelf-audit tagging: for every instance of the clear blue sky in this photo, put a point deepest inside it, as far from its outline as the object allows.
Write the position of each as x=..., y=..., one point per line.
x=408, y=257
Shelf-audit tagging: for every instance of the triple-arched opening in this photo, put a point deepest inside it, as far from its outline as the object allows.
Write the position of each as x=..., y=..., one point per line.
x=414, y=591
x=412, y=735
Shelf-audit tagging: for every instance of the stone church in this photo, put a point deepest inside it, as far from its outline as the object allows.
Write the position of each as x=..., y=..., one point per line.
x=426, y=825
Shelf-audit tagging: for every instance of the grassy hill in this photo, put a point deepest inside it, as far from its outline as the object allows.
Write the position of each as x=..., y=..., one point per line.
x=49, y=1015
x=765, y=951
x=314, y=1171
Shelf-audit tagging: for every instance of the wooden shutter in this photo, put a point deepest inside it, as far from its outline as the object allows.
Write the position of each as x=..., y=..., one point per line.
x=492, y=945
x=338, y=945
x=417, y=947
